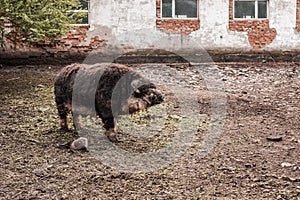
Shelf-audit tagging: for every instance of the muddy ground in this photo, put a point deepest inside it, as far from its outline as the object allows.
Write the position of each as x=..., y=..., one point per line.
x=256, y=157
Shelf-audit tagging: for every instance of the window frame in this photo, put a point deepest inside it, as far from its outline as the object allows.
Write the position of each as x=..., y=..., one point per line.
x=83, y=11
x=173, y=12
x=255, y=11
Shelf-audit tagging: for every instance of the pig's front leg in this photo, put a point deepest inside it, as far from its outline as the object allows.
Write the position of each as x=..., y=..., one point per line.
x=110, y=127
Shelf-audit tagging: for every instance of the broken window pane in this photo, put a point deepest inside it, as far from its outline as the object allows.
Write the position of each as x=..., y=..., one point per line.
x=186, y=8
x=167, y=8
x=262, y=9
x=244, y=9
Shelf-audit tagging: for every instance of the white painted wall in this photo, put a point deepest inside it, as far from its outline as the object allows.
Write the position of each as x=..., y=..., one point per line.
x=214, y=32
x=283, y=19
x=133, y=22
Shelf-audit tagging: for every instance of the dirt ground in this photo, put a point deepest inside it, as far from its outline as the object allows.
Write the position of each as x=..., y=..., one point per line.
x=256, y=157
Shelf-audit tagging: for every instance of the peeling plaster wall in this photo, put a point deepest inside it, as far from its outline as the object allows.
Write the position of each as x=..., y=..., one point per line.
x=136, y=24
x=214, y=32
x=283, y=19
x=115, y=19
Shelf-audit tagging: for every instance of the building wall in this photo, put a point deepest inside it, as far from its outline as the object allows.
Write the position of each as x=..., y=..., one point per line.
x=137, y=23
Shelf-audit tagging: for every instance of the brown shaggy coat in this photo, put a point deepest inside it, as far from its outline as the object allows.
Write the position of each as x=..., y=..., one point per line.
x=107, y=90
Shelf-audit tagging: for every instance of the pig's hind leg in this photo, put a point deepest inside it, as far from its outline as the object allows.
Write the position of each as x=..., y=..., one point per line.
x=63, y=110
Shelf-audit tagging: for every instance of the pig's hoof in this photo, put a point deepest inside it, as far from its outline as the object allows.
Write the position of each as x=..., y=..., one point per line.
x=111, y=136
x=63, y=128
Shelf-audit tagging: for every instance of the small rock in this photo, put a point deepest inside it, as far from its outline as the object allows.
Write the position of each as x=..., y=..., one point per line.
x=280, y=196
x=248, y=165
x=33, y=140
x=49, y=166
x=290, y=179
x=43, y=109
x=277, y=83
x=274, y=138
x=40, y=86
x=296, y=168
x=285, y=164
x=176, y=117
x=79, y=144
x=257, y=180
x=39, y=172
x=241, y=125
x=193, y=82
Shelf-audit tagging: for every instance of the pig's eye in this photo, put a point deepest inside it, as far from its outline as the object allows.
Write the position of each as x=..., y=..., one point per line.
x=137, y=93
x=151, y=85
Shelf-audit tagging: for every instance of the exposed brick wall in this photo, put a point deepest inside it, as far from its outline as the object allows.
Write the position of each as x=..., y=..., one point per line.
x=175, y=26
x=75, y=40
x=298, y=16
x=178, y=26
x=158, y=6
x=259, y=32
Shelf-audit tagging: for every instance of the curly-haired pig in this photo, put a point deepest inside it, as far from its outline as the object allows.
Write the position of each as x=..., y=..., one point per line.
x=107, y=89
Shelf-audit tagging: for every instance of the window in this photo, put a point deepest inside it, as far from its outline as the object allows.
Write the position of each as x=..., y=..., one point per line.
x=179, y=9
x=251, y=9
x=83, y=12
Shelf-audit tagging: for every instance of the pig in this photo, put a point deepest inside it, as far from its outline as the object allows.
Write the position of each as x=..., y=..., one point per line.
x=108, y=89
